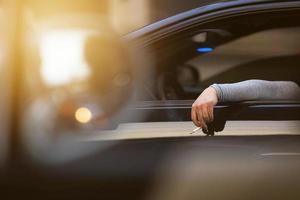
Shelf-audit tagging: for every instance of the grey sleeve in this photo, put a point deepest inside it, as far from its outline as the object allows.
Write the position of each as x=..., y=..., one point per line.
x=257, y=90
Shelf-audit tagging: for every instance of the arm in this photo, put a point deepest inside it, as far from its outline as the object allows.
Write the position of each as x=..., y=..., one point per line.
x=202, y=109
x=257, y=90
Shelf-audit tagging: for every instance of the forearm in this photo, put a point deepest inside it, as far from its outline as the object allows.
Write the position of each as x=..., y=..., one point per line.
x=257, y=90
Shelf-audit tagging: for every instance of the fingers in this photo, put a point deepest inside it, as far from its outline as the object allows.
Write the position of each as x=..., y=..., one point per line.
x=194, y=117
x=202, y=114
x=210, y=110
x=197, y=116
x=200, y=119
x=203, y=107
x=205, y=113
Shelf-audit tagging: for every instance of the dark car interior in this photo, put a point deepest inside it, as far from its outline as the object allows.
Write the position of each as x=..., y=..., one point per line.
x=172, y=62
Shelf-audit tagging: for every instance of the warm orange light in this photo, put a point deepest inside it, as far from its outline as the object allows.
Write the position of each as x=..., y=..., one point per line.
x=62, y=55
x=83, y=115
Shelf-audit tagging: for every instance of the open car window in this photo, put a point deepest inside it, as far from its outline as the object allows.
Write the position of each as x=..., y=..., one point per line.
x=226, y=51
x=269, y=55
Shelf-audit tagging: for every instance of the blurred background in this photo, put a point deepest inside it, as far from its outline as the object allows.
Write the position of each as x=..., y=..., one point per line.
x=124, y=15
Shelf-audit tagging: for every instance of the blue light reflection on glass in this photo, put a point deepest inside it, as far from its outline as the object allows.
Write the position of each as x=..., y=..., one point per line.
x=205, y=49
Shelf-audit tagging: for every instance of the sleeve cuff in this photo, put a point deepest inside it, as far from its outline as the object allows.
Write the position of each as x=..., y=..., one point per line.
x=218, y=91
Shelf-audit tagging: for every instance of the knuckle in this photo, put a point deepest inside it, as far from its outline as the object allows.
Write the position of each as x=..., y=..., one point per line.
x=212, y=103
x=209, y=103
x=200, y=106
x=206, y=119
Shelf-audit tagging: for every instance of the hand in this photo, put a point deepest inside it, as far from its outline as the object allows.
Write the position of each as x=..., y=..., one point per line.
x=203, y=108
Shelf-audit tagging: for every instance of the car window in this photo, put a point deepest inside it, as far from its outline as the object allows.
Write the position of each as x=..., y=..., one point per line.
x=270, y=55
x=227, y=51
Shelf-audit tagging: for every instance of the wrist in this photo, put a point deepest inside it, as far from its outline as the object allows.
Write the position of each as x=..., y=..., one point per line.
x=217, y=91
x=209, y=95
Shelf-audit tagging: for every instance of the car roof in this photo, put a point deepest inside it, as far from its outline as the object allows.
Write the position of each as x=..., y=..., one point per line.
x=211, y=6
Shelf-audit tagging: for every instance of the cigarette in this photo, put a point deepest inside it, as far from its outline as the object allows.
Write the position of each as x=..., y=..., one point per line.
x=195, y=130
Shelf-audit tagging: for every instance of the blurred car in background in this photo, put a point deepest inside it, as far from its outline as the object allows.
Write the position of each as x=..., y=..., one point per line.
x=93, y=115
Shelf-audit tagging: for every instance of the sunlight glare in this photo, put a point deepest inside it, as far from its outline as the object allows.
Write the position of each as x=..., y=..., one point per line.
x=83, y=115
x=62, y=55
